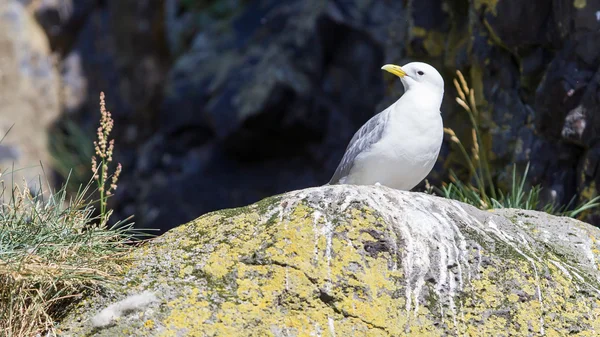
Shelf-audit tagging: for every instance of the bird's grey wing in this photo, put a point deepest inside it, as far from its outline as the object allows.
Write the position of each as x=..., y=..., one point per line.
x=369, y=134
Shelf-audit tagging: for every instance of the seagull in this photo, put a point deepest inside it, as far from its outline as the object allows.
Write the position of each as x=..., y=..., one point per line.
x=398, y=147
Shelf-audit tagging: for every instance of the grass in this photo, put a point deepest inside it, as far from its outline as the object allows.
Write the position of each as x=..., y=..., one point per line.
x=104, y=148
x=53, y=250
x=480, y=190
x=71, y=149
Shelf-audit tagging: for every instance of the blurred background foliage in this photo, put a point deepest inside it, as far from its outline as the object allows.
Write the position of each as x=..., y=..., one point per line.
x=221, y=103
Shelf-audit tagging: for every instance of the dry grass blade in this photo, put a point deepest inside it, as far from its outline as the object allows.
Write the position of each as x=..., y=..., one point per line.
x=452, y=135
x=461, y=94
x=465, y=87
x=475, y=149
x=463, y=104
x=473, y=103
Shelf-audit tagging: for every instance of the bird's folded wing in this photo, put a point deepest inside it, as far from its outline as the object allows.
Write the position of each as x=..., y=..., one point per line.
x=369, y=134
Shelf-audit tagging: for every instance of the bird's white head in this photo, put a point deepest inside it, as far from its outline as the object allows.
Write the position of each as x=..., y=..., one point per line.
x=418, y=75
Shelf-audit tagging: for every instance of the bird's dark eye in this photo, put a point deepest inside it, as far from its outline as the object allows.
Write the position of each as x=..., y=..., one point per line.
x=420, y=73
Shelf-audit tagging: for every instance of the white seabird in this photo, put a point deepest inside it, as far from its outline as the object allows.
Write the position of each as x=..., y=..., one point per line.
x=399, y=146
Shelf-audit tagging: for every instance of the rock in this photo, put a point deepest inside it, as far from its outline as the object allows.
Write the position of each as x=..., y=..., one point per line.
x=356, y=260
x=264, y=106
x=29, y=93
x=63, y=20
x=117, y=47
x=220, y=103
x=120, y=44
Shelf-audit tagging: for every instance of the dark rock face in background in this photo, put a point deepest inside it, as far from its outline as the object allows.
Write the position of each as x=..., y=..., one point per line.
x=221, y=103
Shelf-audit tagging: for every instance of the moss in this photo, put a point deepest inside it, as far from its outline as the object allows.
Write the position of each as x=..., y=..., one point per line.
x=579, y=4
x=488, y=5
x=433, y=41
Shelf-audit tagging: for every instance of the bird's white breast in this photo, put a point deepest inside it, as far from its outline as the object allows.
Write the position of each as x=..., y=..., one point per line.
x=407, y=151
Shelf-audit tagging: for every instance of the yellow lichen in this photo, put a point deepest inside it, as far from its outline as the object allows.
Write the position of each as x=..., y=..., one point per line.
x=310, y=273
x=185, y=271
x=149, y=324
x=187, y=314
x=513, y=298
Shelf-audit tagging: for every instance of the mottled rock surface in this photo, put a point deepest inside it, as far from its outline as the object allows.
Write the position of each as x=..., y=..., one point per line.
x=29, y=93
x=359, y=261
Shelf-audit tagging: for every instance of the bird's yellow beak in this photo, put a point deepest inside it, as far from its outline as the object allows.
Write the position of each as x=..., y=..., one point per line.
x=394, y=69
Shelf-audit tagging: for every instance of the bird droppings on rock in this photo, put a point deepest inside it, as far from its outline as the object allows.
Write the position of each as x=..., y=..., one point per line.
x=117, y=310
x=296, y=265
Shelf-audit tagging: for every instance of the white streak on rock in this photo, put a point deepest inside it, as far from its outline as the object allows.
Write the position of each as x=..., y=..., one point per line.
x=426, y=236
x=316, y=217
x=116, y=310
x=479, y=259
x=331, y=326
x=328, y=230
x=317, y=332
x=510, y=241
x=349, y=198
x=561, y=268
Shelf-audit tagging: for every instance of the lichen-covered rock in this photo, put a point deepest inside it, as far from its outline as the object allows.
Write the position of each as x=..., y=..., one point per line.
x=357, y=261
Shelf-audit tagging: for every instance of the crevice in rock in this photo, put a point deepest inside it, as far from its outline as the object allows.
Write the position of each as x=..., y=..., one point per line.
x=324, y=297
x=373, y=248
x=330, y=303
